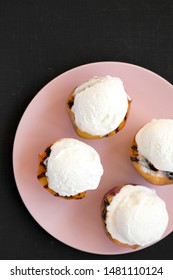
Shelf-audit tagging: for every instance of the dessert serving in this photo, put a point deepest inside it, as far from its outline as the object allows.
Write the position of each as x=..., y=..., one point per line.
x=99, y=107
x=69, y=167
x=152, y=152
x=76, y=222
x=133, y=216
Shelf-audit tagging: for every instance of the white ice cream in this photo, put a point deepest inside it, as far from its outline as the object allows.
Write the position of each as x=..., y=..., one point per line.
x=73, y=167
x=100, y=105
x=136, y=215
x=155, y=143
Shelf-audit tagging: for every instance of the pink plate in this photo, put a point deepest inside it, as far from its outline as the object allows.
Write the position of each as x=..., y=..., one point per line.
x=78, y=223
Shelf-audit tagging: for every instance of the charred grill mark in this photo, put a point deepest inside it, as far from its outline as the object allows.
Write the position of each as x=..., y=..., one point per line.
x=41, y=175
x=44, y=159
x=106, y=203
x=168, y=174
x=151, y=166
x=47, y=151
x=42, y=163
x=70, y=103
x=134, y=147
x=116, y=130
x=134, y=159
x=46, y=186
x=56, y=194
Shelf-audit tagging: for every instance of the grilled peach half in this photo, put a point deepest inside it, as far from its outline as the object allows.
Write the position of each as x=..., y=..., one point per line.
x=106, y=201
x=152, y=175
x=86, y=135
x=41, y=175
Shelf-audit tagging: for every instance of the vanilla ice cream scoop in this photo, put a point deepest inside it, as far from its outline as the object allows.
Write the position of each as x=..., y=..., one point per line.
x=136, y=215
x=155, y=143
x=100, y=105
x=72, y=167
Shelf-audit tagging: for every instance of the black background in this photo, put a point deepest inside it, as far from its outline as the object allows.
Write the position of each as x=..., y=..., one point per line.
x=40, y=40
